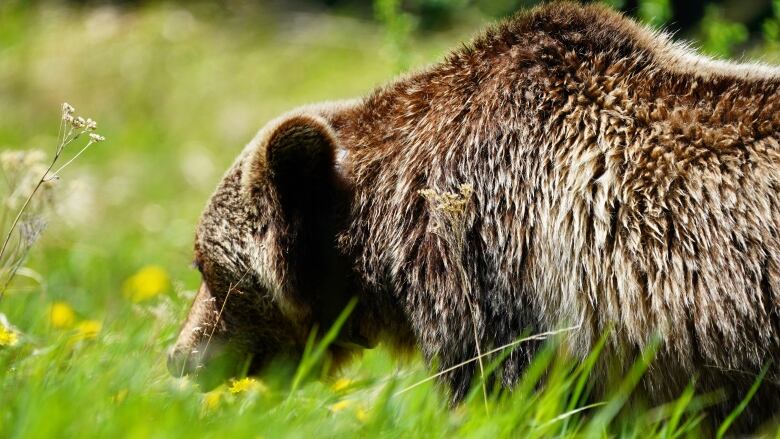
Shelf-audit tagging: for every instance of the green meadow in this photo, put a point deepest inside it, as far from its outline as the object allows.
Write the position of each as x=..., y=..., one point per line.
x=177, y=90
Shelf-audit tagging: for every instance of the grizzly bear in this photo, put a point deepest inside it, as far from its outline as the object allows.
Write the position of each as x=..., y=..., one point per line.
x=567, y=167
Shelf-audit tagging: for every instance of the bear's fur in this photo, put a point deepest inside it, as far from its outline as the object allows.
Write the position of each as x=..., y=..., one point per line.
x=567, y=167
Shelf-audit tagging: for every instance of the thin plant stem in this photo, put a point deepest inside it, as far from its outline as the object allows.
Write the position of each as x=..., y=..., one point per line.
x=479, y=354
x=14, y=270
x=64, y=138
x=24, y=207
x=571, y=413
x=540, y=336
x=42, y=180
x=16, y=222
x=60, y=147
x=56, y=173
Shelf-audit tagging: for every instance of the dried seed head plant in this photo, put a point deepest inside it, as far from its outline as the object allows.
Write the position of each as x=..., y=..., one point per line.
x=448, y=212
x=28, y=190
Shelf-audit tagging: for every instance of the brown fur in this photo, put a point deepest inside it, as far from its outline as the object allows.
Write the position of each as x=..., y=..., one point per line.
x=618, y=182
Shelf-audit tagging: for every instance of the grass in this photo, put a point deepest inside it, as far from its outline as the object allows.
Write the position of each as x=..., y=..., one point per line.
x=177, y=93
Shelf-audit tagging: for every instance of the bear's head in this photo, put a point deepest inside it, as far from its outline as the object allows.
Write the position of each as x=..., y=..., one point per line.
x=266, y=247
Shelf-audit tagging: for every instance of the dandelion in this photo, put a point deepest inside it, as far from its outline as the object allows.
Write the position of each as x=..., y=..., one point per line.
x=245, y=384
x=61, y=315
x=8, y=337
x=88, y=329
x=341, y=384
x=341, y=405
x=147, y=283
x=362, y=414
x=212, y=399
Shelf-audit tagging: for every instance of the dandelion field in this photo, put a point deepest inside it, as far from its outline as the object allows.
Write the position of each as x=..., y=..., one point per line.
x=177, y=91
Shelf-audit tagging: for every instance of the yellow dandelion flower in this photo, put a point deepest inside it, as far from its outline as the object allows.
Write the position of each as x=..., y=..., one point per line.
x=341, y=405
x=212, y=399
x=8, y=337
x=341, y=384
x=61, y=315
x=362, y=414
x=244, y=385
x=88, y=329
x=148, y=282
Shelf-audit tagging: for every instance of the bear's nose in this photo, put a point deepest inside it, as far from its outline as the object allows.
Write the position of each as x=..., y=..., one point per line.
x=179, y=363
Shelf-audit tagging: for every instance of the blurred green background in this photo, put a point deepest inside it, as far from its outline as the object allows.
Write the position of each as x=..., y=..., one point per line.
x=177, y=88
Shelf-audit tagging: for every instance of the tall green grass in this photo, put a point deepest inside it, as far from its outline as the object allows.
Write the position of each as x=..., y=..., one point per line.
x=177, y=92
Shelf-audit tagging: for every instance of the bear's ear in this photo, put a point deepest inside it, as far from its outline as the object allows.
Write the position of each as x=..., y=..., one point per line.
x=297, y=157
x=294, y=166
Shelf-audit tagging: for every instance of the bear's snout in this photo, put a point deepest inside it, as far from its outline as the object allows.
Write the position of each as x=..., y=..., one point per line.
x=180, y=363
x=189, y=350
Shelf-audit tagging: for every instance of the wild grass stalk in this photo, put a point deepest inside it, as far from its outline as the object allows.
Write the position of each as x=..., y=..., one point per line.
x=27, y=225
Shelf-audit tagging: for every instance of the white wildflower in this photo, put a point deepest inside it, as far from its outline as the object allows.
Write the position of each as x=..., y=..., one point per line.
x=95, y=137
x=67, y=109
